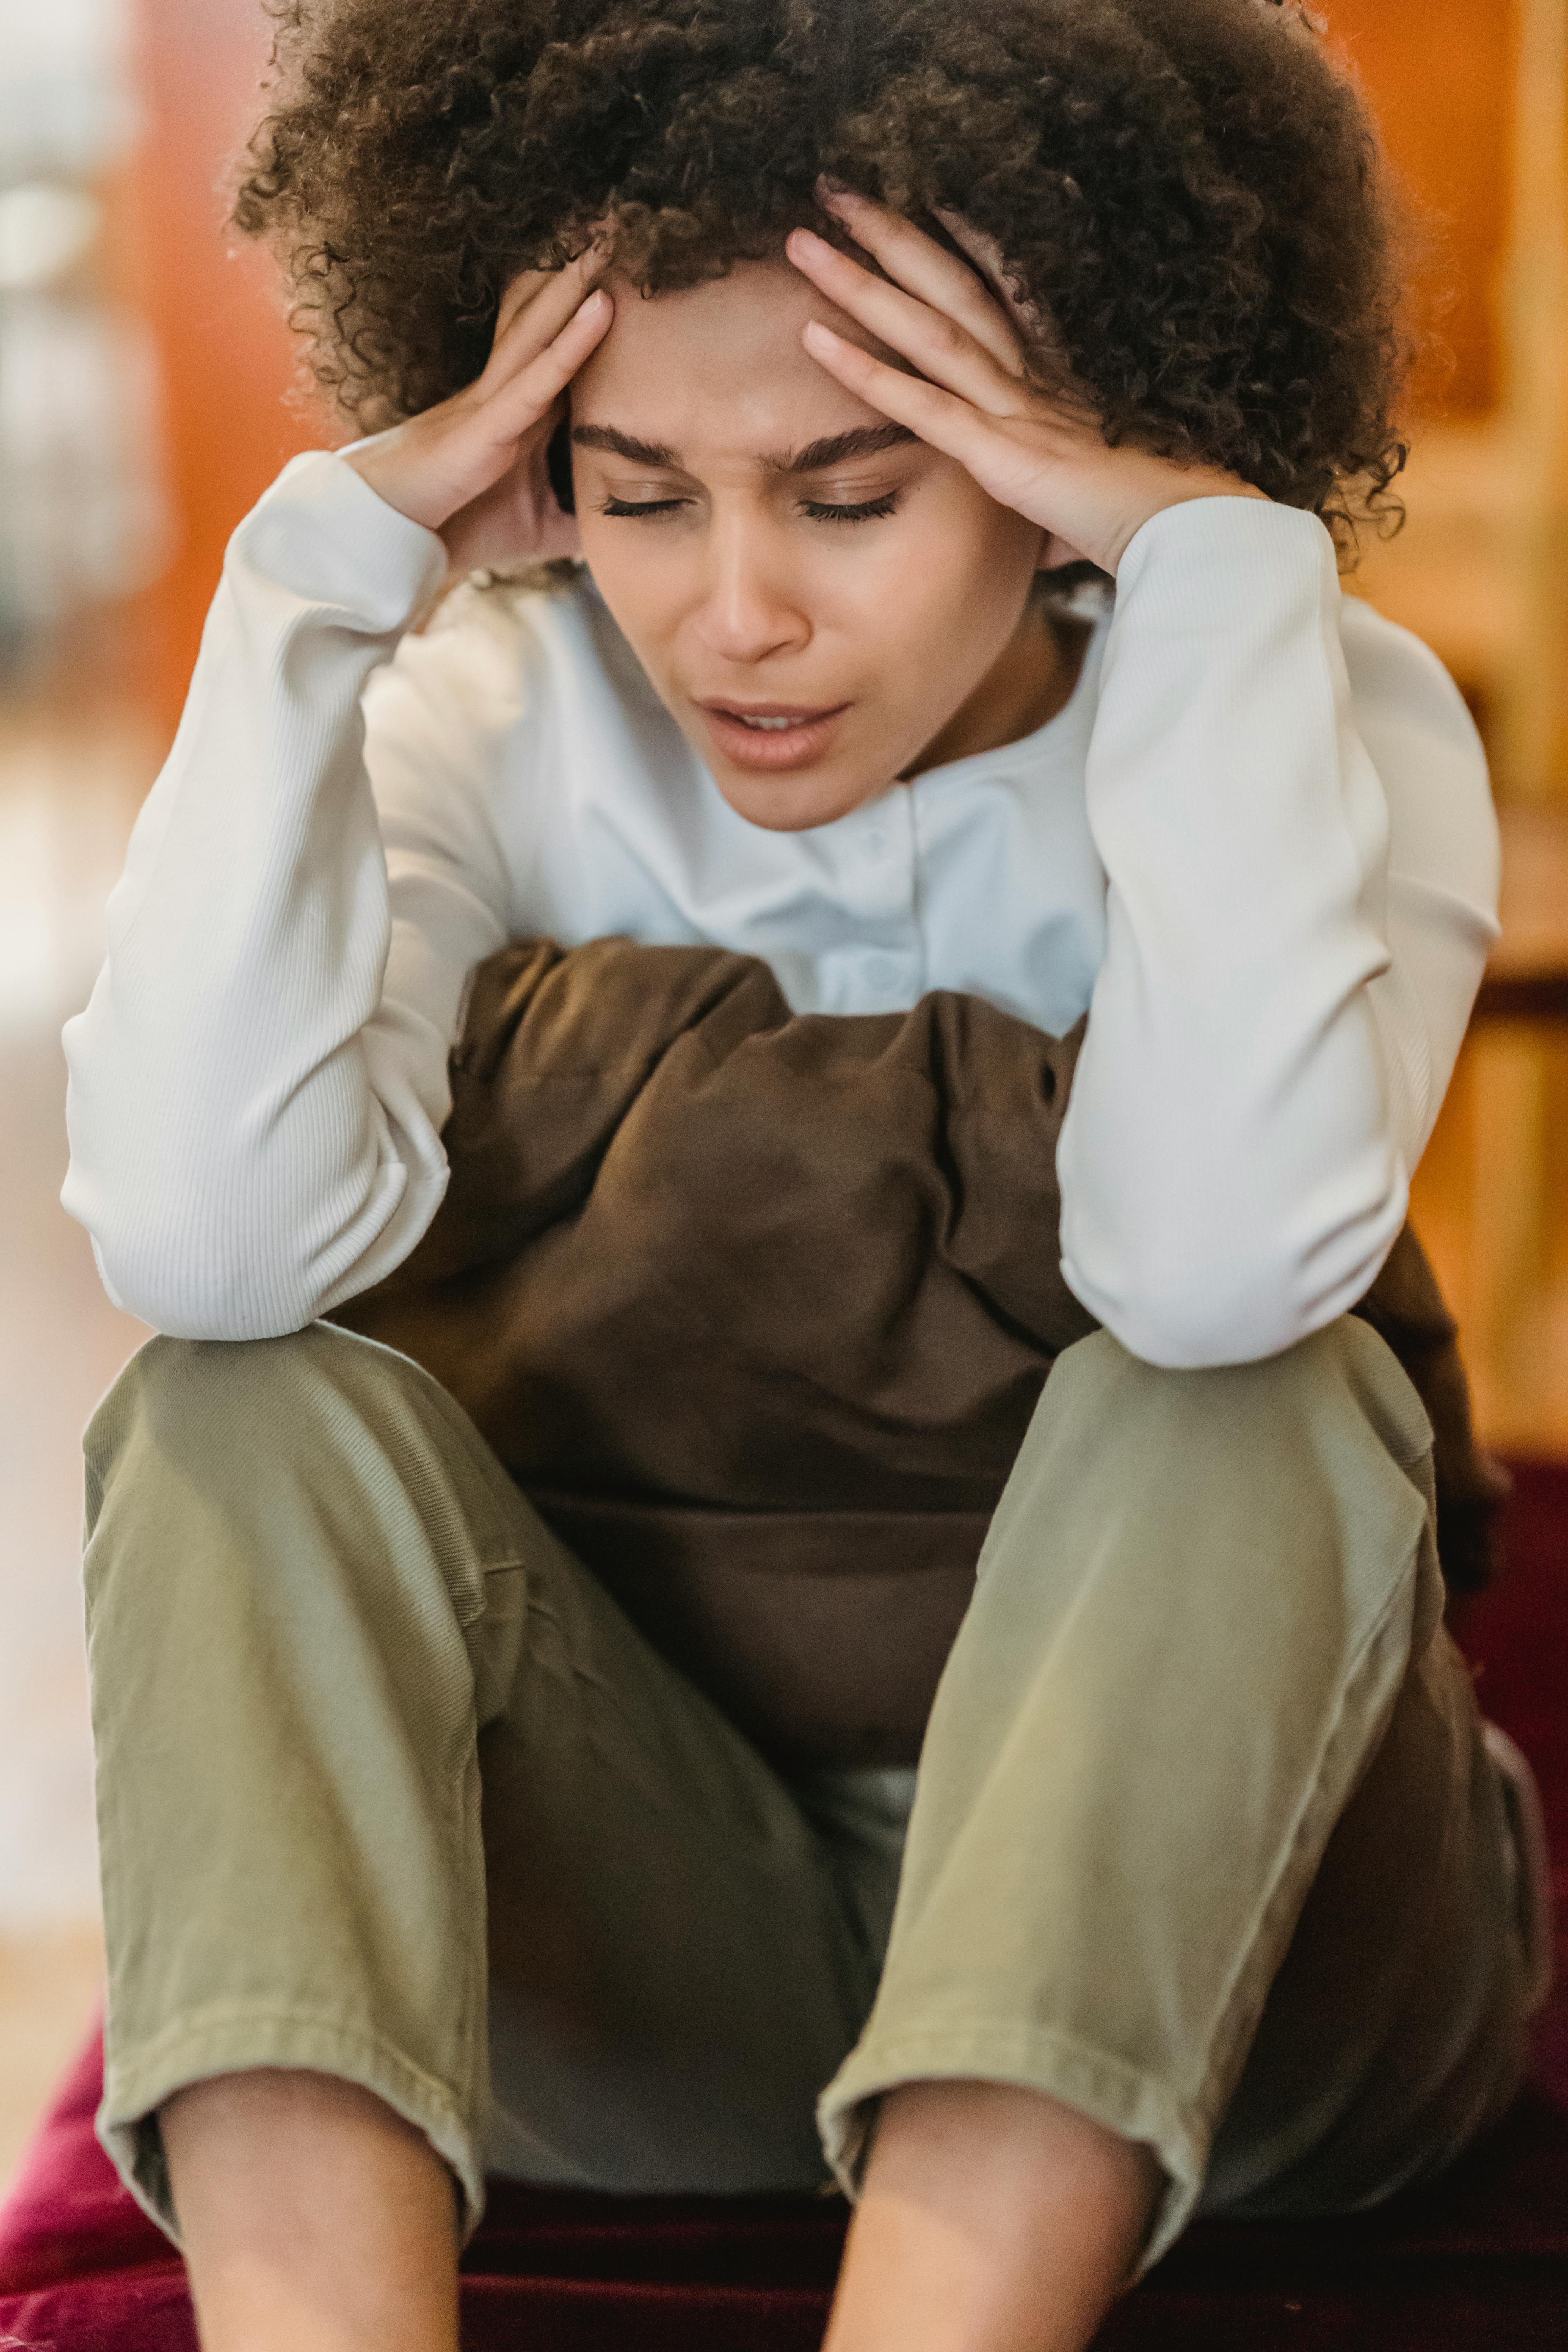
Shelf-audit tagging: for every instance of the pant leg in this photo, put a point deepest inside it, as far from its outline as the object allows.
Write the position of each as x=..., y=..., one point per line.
x=315, y=1600
x=1206, y=1627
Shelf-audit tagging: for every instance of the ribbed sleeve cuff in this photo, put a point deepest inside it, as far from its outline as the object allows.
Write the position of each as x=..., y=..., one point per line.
x=1224, y=550
x=324, y=535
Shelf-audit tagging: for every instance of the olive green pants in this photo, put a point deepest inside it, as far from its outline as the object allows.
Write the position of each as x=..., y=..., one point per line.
x=1205, y=1838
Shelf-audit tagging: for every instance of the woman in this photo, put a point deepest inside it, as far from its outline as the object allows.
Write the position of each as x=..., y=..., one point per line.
x=1211, y=1884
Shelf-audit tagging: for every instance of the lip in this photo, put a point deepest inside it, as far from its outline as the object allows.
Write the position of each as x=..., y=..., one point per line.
x=779, y=748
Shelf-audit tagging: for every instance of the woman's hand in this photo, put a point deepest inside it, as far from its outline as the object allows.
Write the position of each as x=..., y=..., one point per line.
x=473, y=467
x=973, y=396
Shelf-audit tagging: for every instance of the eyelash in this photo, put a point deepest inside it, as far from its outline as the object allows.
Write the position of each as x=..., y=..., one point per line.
x=868, y=512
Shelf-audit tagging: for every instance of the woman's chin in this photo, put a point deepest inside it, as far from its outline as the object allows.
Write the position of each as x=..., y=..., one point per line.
x=794, y=800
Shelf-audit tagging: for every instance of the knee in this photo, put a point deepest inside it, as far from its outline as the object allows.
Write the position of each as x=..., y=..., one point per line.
x=1341, y=1380
x=1299, y=1487
x=217, y=1409
x=311, y=1466
x=215, y=1386
x=1318, y=1455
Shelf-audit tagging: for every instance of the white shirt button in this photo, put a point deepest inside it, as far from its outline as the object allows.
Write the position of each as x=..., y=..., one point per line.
x=877, y=841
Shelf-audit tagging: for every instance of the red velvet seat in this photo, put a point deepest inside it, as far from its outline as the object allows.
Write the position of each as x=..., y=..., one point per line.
x=1477, y=2266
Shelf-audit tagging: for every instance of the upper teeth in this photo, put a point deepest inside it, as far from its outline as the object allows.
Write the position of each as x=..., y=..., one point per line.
x=766, y=722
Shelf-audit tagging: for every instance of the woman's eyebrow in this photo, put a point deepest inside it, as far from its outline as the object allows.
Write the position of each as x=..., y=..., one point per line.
x=863, y=441
x=623, y=445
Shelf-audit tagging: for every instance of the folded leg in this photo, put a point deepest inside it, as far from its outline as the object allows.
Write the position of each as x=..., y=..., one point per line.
x=1207, y=1844
x=331, y=1648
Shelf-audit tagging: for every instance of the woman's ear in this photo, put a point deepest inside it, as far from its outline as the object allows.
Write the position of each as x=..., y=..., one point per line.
x=558, y=466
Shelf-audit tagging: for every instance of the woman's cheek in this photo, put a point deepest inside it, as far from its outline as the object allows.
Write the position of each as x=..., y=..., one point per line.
x=642, y=594
x=939, y=593
x=906, y=572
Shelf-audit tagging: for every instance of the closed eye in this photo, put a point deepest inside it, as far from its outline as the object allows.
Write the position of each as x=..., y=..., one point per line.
x=817, y=511
x=866, y=512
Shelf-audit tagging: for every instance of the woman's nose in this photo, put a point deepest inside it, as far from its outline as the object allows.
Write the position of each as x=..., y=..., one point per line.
x=748, y=604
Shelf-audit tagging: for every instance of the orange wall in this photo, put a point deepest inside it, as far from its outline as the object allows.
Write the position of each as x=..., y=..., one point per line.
x=1436, y=72
x=227, y=357
x=1439, y=73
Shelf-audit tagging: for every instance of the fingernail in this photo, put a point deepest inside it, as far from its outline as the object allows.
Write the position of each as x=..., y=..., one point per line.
x=815, y=332
x=829, y=193
x=808, y=240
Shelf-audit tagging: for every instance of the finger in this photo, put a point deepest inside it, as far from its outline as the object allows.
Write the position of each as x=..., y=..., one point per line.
x=522, y=291
x=546, y=300
x=931, y=338
x=520, y=400
x=541, y=311
x=948, y=423
x=1041, y=340
x=919, y=265
x=990, y=260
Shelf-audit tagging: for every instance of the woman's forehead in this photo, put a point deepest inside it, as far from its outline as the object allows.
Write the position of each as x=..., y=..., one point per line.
x=720, y=369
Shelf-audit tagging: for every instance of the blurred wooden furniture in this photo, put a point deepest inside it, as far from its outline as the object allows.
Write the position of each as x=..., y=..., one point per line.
x=1480, y=571
x=1527, y=977
x=1490, y=1196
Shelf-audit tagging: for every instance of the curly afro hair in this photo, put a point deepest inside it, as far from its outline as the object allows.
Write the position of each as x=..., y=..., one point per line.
x=1186, y=189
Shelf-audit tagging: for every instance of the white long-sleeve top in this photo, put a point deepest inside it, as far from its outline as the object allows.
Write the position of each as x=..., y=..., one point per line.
x=1257, y=846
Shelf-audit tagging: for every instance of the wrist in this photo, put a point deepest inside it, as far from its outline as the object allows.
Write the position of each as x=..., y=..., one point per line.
x=381, y=462
x=322, y=535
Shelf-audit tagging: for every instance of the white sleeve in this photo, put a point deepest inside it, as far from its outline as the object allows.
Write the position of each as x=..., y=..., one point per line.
x=1291, y=806
x=255, y=1129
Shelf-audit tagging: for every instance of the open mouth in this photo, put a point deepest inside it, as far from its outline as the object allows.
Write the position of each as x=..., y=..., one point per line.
x=771, y=735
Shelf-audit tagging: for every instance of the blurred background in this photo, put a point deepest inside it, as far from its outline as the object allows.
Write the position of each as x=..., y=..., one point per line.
x=145, y=375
